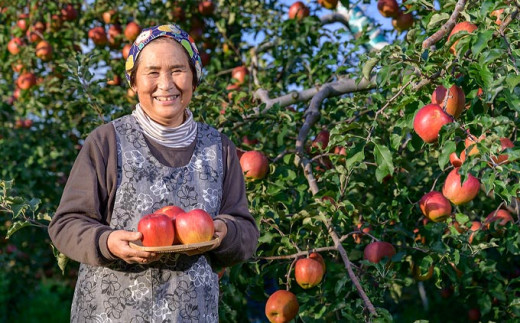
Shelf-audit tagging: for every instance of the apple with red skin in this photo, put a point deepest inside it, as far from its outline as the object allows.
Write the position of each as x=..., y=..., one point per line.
x=26, y=80
x=475, y=226
x=377, y=250
x=132, y=30
x=298, y=11
x=282, y=306
x=116, y=80
x=98, y=36
x=55, y=23
x=455, y=103
x=157, y=230
x=114, y=35
x=459, y=193
x=22, y=22
x=318, y=257
x=254, y=164
x=403, y=21
x=328, y=4
x=172, y=211
x=109, y=16
x=44, y=50
x=196, y=33
x=474, y=314
x=35, y=32
x=322, y=140
x=428, y=122
x=205, y=58
x=435, y=206
x=194, y=226
x=250, y=142
x=126, y=50
x=438, y=95
x=69, y=13
x=388, y=8
x=14, y=45
x=206, y=8
x=498, y=15
x=462, y=26
x=178, y=14
x=239, y=73
x=357, y=236
x=308, y=272
x=499, y=215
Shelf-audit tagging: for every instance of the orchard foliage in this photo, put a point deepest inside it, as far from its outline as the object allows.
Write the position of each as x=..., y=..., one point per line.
x=305, y=76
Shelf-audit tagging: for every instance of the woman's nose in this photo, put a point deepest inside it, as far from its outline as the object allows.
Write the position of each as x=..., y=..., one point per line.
x=165, y=81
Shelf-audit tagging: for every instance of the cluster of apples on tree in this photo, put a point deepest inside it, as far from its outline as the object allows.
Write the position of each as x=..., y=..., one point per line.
x=400, y=20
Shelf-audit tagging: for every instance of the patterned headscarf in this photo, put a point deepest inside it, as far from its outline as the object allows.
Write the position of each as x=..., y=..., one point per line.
x=171, y=31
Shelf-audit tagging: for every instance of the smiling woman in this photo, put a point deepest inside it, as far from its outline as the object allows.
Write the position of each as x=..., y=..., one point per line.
x=137, y=164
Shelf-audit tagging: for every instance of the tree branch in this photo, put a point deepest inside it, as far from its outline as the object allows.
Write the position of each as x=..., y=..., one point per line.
x=446, y=28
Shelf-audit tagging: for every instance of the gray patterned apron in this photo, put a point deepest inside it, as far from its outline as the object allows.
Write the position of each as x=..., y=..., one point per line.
x=177, y=288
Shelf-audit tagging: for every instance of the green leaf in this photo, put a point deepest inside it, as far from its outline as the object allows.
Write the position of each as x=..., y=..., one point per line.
x=15, y=227
x=384, y=162
x=437, y=19
x=482, y=42
x=369, y=65
x=444, y=157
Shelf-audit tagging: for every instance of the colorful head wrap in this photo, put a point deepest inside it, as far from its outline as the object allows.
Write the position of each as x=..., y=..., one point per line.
x=171, y=31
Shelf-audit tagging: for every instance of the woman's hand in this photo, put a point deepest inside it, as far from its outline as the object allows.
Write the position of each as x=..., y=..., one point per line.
x=118, y=245
x=220, y=230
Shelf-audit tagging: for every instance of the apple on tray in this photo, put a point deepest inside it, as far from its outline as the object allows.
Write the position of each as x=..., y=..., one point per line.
x=194, y=226
x=171, y=211
x=157, y=230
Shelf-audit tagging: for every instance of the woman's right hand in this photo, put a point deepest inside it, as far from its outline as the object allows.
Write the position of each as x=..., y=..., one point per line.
x=118, y=245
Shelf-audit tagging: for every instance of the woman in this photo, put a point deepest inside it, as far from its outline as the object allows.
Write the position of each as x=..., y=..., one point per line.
x=133, y=166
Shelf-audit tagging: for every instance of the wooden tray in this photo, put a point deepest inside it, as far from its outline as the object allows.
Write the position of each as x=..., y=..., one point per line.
x=179, y=248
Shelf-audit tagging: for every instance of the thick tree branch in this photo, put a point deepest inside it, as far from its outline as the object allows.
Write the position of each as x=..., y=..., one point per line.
x=447, y=27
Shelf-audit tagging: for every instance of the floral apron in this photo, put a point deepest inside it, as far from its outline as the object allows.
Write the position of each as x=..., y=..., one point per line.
x=177, y=288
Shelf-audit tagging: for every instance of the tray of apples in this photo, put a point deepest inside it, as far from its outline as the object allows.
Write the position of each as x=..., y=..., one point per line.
x=171, y=229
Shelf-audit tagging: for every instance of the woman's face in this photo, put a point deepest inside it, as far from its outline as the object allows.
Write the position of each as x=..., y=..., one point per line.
x=164, y=82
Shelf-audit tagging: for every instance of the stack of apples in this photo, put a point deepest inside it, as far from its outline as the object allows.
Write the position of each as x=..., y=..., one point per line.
x=171, y=225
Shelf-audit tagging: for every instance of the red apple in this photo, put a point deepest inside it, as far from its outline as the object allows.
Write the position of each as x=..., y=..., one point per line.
x=455, y=103
x=470, y=144
x=22, y=21
x=34, y=33
x=114, y=35
x=402, y=22
x=377, y=250
x=282, y=306
x=239, y=73
x=254, y=164
x=116, y=80
x=474, y=314
x=205, y=58
x=248, y=141
x=194, y=226
x=157, y=230
x=308, y=272
x=55, y=23
x=438, y=95
x=328, y=4
x=316, y=256
x=98, y=36
x=206, y=8
x=126, y=50
x=69, y=13
x=178, y=14
x=171, y=211
x=459, y=193
x=298, y=11
x=109, y=16
x=132, y=30
x=462, y=26
x=435, y=206
x=357, y=236
x=14, y=45
x=44, y=50
x=428, y=122
x=26, y=80
x=475, y=226
x=388, y=8
x=322, y=140
x=500, y=215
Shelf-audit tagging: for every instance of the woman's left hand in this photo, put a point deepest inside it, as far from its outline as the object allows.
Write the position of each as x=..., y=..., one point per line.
x=220, y=230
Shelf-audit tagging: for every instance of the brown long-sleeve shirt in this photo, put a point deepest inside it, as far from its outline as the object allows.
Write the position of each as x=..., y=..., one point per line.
x=80, y=227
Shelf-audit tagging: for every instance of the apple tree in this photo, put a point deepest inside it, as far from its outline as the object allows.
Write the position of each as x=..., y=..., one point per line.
x=387, y=156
